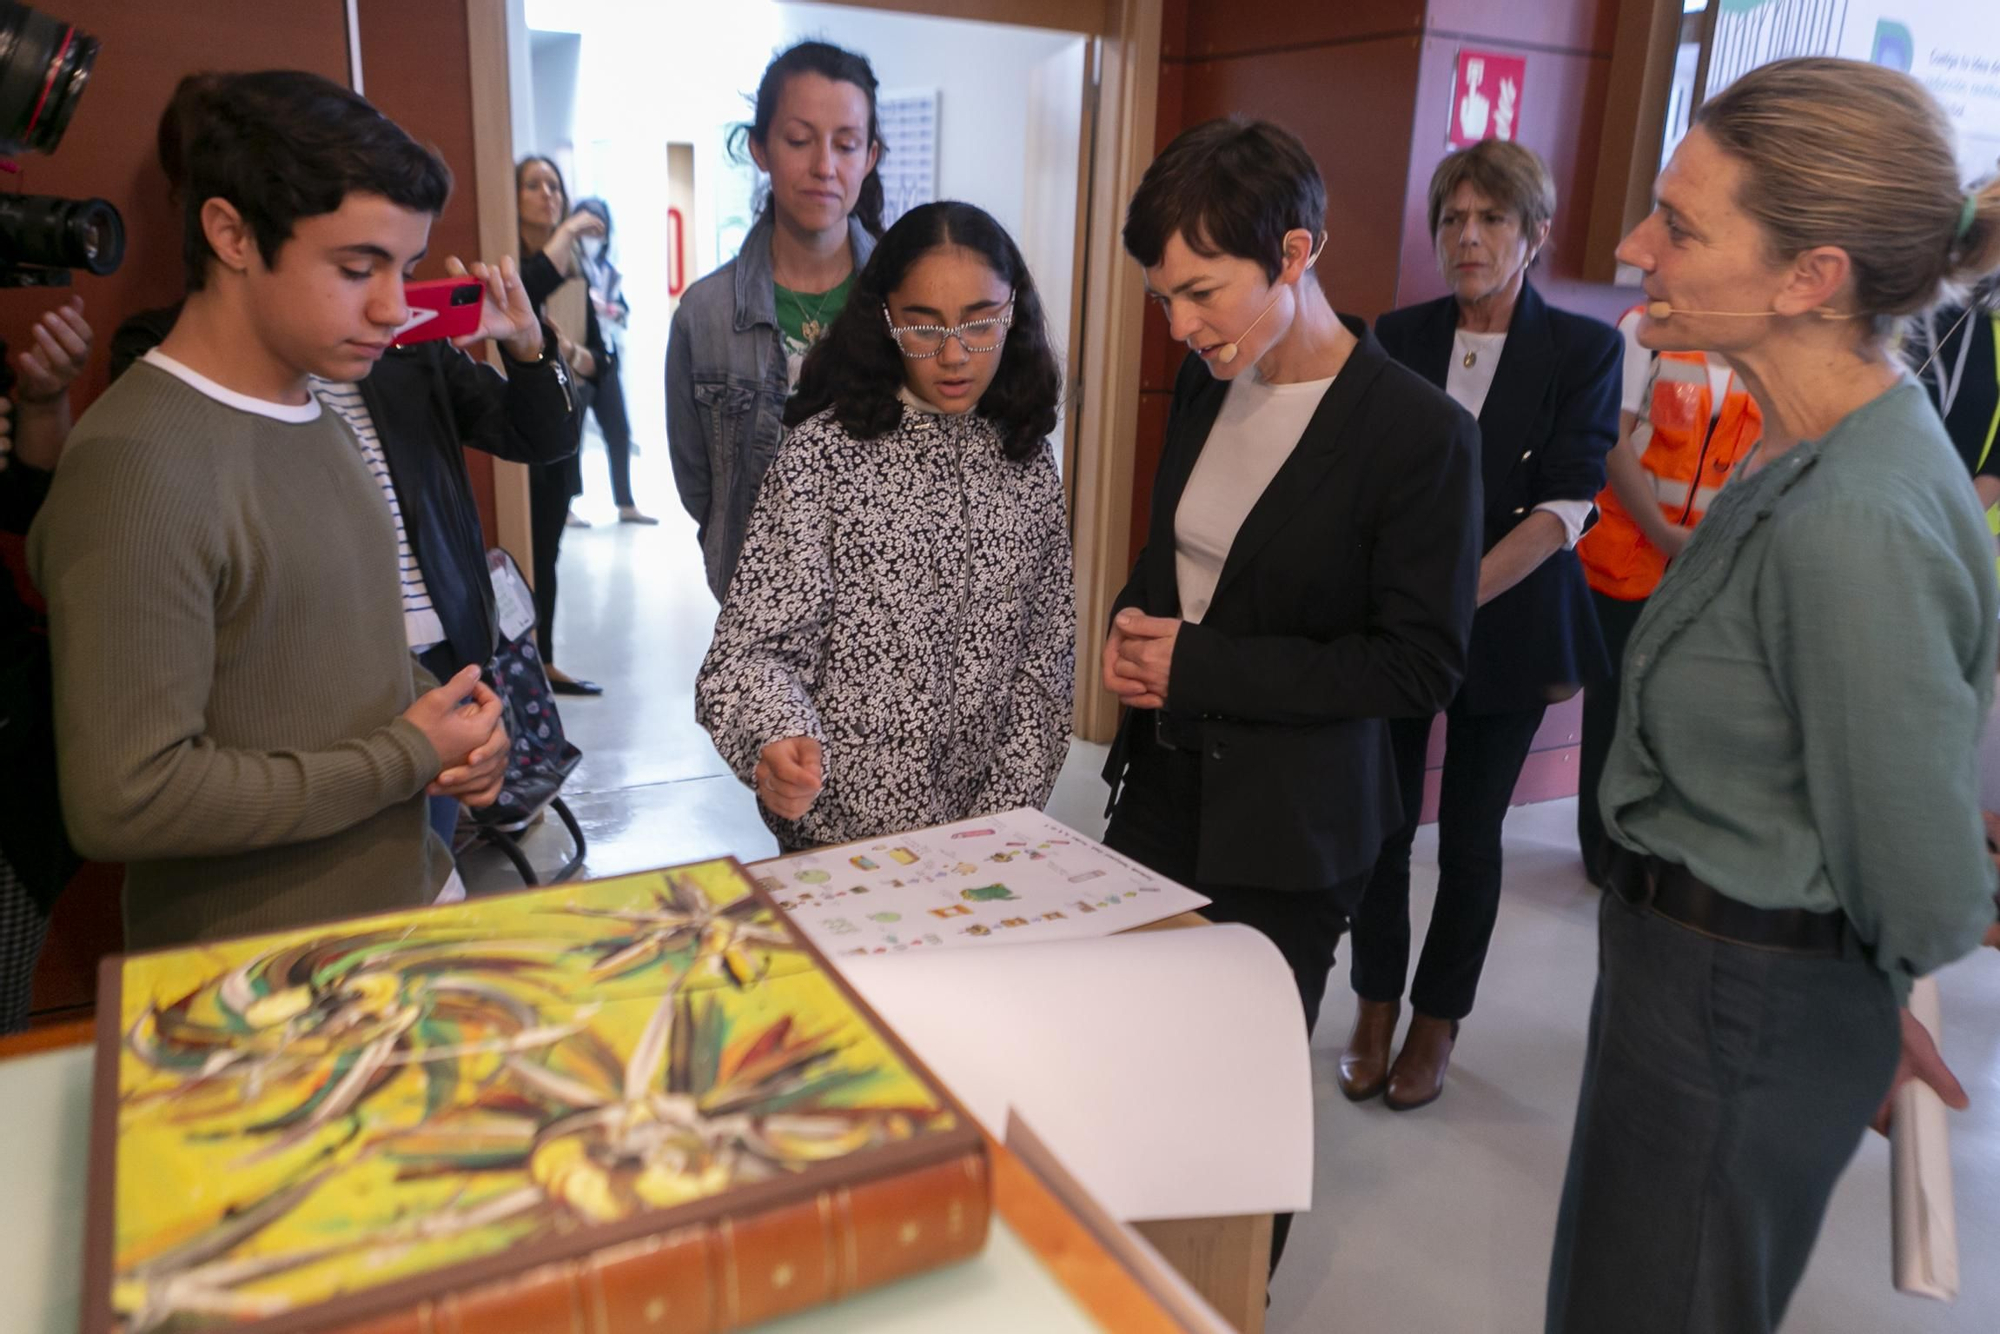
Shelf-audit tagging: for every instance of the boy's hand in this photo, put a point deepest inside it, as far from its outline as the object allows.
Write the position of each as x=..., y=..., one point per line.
x=460, y=719
x=505, y=315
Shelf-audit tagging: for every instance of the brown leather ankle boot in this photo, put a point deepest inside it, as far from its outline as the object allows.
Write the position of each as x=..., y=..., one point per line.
x=1364, y=1066
x=1418, y=1075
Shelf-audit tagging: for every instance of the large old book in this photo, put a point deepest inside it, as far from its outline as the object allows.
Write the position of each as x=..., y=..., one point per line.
x=635, y=1104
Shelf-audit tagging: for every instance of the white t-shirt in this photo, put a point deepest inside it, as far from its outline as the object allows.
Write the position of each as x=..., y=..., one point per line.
x=1255, y=432
x=1468, y=387
x=1637, y=396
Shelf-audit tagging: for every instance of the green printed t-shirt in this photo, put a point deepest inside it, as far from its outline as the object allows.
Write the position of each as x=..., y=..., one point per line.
x=803, y=318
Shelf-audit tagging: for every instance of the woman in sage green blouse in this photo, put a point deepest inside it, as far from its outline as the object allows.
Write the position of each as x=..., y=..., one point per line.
x=1792, y=788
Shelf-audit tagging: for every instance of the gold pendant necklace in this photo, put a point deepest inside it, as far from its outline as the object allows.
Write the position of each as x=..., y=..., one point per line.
x=811, y=326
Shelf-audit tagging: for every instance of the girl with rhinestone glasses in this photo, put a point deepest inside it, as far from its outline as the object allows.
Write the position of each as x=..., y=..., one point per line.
x=897, y=649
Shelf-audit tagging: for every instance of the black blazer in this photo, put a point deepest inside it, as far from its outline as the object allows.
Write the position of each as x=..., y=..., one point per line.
x=1548, y=422
x=1345, y=599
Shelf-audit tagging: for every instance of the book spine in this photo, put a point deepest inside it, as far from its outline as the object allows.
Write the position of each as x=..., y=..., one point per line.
x=734, y=1272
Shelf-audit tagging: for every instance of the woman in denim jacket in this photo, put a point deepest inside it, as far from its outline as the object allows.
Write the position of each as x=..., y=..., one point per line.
x=740, y=333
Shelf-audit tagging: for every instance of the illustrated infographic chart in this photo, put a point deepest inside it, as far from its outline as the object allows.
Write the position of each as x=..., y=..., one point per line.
x=1010, y=877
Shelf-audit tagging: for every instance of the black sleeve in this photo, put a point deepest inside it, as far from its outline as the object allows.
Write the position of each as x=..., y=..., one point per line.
x=539, y=278
x=1977, y=410
x=526, y=416
x=141, y=334
x=1586, y=425
x=22, y=491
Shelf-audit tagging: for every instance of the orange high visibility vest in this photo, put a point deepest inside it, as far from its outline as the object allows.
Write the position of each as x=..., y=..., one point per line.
x=1687, y=460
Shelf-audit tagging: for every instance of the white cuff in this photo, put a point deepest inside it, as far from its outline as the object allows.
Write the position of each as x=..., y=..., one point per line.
x=1574, y=515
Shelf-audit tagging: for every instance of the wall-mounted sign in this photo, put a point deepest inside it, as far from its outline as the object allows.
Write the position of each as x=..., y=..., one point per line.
x=1485, y=98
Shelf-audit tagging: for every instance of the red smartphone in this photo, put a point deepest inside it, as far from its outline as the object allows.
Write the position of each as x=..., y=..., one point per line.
x=440, y=308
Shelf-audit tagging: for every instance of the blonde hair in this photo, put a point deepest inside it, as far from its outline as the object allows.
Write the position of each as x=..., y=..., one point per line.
x=1510, y=174
x=1848, y=154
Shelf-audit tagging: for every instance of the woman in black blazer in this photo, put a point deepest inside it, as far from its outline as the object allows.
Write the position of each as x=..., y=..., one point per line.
x=1310, y=563
x=1544, y=384
x=1309, y=567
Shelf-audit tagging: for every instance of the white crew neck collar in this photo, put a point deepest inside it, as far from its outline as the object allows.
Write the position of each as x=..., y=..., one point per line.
x=262, y=407
x=912, y=399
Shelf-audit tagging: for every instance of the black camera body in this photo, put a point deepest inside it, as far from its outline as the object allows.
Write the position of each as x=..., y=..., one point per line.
x=44, y=67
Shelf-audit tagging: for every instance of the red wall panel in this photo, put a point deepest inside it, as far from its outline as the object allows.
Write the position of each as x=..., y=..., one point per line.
x=1232, y=27
x=109, y=149
x=407, y=71
x=1351, y=104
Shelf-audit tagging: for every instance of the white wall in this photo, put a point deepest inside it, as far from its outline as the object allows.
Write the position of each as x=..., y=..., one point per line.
x=982, y=72
x=659, y=71
x=555, y=60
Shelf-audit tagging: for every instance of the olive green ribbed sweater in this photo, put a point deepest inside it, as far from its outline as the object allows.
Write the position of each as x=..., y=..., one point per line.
x=230, y=665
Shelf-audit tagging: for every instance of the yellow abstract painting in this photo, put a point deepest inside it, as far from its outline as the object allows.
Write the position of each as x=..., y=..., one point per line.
x=313, y=1113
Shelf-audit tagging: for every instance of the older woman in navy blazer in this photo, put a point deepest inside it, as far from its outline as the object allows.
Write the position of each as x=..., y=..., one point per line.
x=1544, y=385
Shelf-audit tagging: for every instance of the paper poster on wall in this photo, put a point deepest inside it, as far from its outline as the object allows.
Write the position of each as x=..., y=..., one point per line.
x=1013, y=877
x=909, y=122
x=1950, y=46
x=1485, y=98
x=909, y=167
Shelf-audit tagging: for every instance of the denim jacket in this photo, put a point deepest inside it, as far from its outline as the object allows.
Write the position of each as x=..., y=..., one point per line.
x=726, y=391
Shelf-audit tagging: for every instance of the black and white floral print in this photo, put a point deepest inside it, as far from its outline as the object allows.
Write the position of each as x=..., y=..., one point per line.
x=907, y=602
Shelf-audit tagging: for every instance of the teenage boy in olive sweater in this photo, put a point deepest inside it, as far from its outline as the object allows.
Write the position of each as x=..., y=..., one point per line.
x=236, y=712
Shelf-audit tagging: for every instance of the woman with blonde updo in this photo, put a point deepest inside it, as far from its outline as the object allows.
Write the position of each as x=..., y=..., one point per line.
x=1793, y=788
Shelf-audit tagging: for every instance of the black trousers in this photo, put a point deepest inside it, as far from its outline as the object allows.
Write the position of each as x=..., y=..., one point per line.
x=549, y=493
x=1484, y=753
x=1615, y=617
x=609, y=407
x=1157, y=823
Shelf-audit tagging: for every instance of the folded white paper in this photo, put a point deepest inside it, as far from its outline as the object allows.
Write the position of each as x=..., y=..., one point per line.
x=1925, y=1225
x=1167, y=1069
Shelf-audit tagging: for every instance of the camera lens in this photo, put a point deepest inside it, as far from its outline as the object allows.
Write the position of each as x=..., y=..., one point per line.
x=61, y=233
x=44, y=65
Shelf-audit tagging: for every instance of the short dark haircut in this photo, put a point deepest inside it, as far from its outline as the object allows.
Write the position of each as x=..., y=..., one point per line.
x=280, y=145
x=1227, y=187
x=829, y=62
x=857, y=371
x=176, y=127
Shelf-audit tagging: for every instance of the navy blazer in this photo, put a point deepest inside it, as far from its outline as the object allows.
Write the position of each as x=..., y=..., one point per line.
x=1346, y=599
x=1549, y=420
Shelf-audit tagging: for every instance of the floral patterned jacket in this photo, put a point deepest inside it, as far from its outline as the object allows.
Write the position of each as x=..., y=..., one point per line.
x=906, y=601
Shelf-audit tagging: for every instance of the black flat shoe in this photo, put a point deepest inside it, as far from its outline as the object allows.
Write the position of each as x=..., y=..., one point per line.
x=575, y=686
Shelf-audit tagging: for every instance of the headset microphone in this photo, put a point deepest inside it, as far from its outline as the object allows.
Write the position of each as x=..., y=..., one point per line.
x=1227, y=352
x=1661, y=310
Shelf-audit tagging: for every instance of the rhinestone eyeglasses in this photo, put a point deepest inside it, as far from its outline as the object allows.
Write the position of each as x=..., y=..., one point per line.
x=918, y=341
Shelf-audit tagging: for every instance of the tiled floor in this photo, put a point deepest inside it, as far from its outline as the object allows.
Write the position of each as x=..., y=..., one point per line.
x=1433, y=1222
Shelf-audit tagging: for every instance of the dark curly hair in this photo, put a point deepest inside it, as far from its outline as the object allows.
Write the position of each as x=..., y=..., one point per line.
x=857, y=371
x=829, y=62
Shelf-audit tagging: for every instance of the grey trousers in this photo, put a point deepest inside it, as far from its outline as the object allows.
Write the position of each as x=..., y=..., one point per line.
x=1724, y=1090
